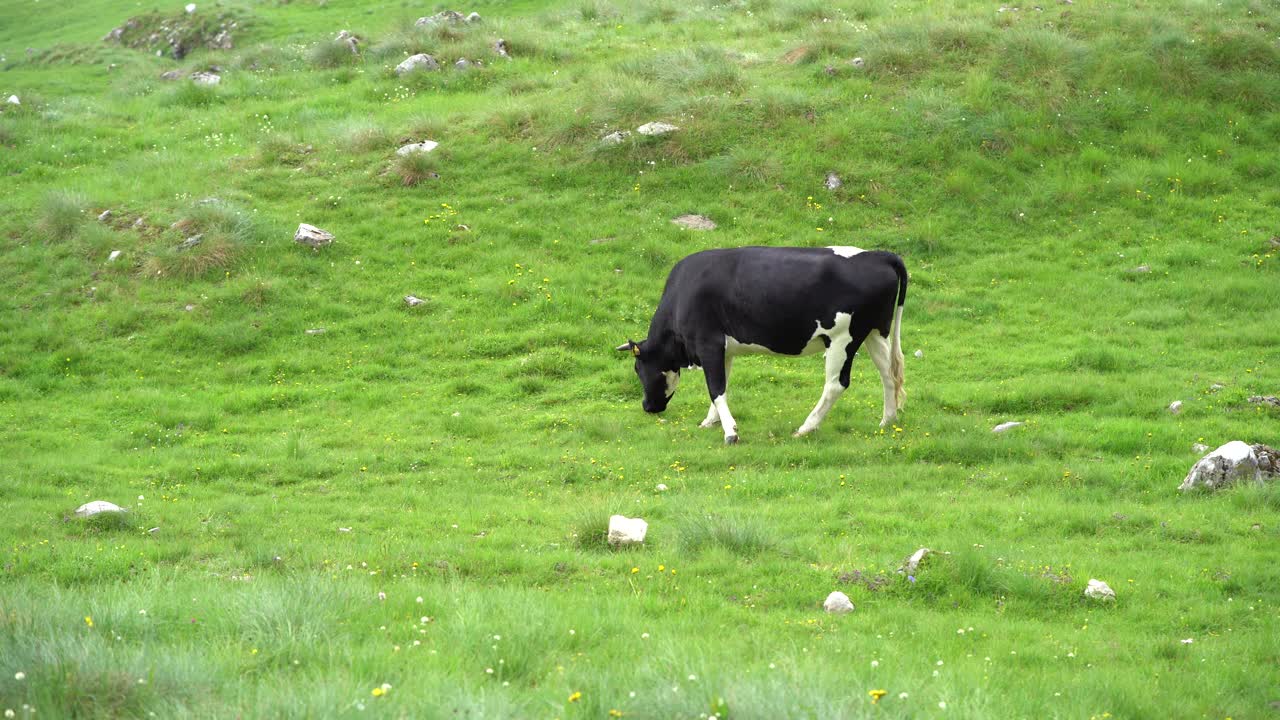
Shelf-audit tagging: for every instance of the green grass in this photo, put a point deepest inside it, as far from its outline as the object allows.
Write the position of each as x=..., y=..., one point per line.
x=469, y=451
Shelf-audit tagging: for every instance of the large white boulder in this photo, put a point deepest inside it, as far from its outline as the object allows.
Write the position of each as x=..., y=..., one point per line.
x=1098, y=590
x=626, y=531
x=1237, y=461
x=421, y=61
x=96, y=507
x=837, y=602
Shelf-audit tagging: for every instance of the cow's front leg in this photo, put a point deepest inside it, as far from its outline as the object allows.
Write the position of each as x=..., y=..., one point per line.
x=838, y=358
x=713, y=415
x=716, y=370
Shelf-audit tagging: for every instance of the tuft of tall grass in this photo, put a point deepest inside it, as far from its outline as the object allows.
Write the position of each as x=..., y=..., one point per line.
x=745, y=538
x=330, y=54
x=59, y=217
x=415, y=168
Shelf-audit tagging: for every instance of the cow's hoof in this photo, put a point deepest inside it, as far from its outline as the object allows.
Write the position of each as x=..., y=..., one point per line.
x=802, y=432
x=730, y=439
x=709, y=423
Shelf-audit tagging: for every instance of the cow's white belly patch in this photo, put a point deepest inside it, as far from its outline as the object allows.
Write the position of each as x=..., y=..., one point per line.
x=845, y=250
x=840, y=329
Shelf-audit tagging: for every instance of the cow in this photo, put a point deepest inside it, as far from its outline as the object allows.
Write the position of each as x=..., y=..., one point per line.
x=718, y=304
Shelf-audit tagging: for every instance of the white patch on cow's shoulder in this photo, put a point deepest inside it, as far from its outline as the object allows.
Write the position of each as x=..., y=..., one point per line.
x=845, y=250
x=673, y=379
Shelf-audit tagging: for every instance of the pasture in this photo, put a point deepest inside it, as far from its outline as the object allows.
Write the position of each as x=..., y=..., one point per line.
x=343, y=506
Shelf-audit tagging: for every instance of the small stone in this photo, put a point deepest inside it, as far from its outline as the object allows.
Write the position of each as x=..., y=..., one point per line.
x=502, y=48
x=413, y=301
x=191, y=7
x=1175, y=407
x=448, y=17
x=919, y=353
x=615, y=138
x=912, y=564
x=153, y=531
x=425, y=146
x=661, y=487
x=462, y=227
x=139, y=224
x=315, y=331
x=115, y=255
x=600, y=241
x=1002, y=427
x=837, y=603
x=1271, y=400
x=473, y=17
x=105, y=216
x=1141, y=269
x=1216, y=387
x=13, y=100
x=90, y=509
x=656, y=128
x=421, y=61
x=833, y=181
x=1200, y=448
x=189, y=307
x=463, y=64
x=857, y=62
x=1098, y=590
x=206, y=78
x=191, y=242
x=626, y=531
x=695, y=222
x=312, y=236
x=170, y=75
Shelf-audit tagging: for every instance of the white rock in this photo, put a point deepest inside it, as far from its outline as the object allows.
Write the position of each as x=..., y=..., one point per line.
x=1098, y=590
x=695, y=222
x=919, y=353
x=912, y=563
x=115, y=255
x=448, y=17
x=206, y=78
x=661, y=487
x=1006, y=426
x=837, y=602
x=1175, y=407
x=13, y=100
x=857, y=62
x=615, y=138
x=191, y=7
x=105, y=216
x=421, y=61
x=425, y=146
x=833, y=181
x=1200, y=448
x=473, y=17
x=314, y=331
x=626, y=531
x=90, y=509
x=413, y=301
x=656, y=128
x=312, y=236
x=1237, y=461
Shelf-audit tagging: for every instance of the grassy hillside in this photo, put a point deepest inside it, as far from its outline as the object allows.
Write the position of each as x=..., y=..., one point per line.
x=330, y=491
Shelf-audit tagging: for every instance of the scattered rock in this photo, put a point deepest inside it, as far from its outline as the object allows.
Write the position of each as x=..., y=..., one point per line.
x=189, y=307
x=474, y=17
x=139, y=224
x=312, y=236
x=153, y=531
x=1237, y=461
x=90, y=509
x=115, y=255
x=1098, y=590
x=1216, y=387
x=171, y=75
x=1175, y=407
x=911, y=564
x=857, y=62
x=448, y=17
x=695, y=222
x=1141, y=269
x=425, y=146
x=833, y=181
x=464, y=64
x=656, y=128
x=661, y=487
x=13, y=100
x=315, y=331
x=502, y=48
x=1275, y=241
x=350, y=40
x=190, y=8
x=421, y=61
x=105, y=216
x=837, y=603
x=206, y=78
x=600, y=240
x=626, y=531
x=1200, y=448
x=413, y=301
x=191, y=242
x=1271, y=400
x=615, y=138
x=177, y=34
x=919, y=353
x=1002, y=427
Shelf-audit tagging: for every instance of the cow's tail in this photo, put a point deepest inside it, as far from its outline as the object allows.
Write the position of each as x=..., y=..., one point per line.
x=896, y=361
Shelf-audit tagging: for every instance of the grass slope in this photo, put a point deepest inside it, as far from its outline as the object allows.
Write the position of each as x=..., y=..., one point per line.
x=300, y=504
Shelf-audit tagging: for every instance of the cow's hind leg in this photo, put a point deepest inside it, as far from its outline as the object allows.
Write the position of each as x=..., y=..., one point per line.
x=880, y=350
x=713, y=415
x=838, y=359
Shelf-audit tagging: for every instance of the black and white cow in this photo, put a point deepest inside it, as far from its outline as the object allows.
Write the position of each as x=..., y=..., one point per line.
x=719, y=304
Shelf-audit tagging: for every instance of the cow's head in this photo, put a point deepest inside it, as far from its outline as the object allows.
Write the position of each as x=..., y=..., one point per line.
x=658, y=375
